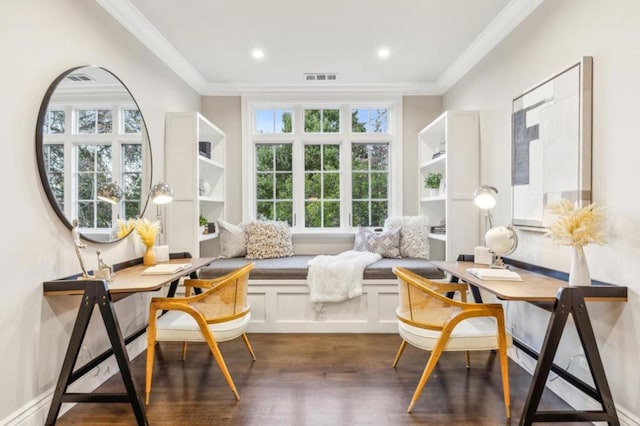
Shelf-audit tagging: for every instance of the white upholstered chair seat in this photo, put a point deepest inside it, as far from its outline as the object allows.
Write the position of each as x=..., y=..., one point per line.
x=179, y=326
x=472, y=334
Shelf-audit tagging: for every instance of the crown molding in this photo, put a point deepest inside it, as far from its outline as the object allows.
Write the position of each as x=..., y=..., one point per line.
x=137, y=24
x=506, y=21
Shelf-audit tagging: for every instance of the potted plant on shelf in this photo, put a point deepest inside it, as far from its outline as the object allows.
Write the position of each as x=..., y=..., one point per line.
x=203, y=224
x=432, y=182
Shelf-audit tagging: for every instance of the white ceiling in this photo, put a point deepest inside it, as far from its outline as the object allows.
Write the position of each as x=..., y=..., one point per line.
x=209, y=42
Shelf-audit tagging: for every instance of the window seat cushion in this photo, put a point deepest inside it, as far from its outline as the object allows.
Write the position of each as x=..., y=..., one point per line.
x=295, y=268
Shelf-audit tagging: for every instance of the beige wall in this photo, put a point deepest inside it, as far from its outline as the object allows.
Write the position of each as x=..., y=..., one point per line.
x=39, y=40
x=225, y=112
x=417, y=112
x=556, y=35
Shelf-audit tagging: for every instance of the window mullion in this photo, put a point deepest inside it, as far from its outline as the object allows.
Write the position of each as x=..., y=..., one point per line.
x=345, y=183
x=298, y=181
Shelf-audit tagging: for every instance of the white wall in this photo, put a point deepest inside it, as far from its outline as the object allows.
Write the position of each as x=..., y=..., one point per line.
x=556, y=35
x=40, y=39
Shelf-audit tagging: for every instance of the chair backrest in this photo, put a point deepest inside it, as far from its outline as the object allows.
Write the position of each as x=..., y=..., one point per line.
x=227, y=299
x=421, y=302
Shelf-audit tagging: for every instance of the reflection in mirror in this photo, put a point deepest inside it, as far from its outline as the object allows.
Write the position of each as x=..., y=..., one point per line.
x=91, y=136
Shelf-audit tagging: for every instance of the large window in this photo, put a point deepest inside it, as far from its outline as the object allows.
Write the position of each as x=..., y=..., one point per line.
x=311, y=170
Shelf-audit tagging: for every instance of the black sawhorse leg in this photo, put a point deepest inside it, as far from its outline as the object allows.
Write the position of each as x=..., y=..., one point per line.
x=475, y=291
x=96, y=293
x=569, y=300
x=173, y=287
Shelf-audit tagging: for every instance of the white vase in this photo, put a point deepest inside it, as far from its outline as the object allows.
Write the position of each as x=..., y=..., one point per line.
x=579, y=274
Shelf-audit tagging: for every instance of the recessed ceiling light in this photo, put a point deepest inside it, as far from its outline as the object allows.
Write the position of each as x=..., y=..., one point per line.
x=257, y=54
x=383, y=53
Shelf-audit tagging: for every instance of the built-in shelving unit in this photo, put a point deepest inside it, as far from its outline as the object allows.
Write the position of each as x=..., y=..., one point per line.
x=450, y=145
x=197, y=179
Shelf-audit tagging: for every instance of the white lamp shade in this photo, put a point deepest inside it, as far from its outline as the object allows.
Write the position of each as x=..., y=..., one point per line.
x=485, y=197
x=110, y=192
x=161, y=193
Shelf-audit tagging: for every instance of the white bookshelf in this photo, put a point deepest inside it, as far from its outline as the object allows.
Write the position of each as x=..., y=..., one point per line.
x=460, y=169
x=185, y=170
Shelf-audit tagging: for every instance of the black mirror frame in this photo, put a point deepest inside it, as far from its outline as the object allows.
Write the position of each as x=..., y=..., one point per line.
x=40, y=153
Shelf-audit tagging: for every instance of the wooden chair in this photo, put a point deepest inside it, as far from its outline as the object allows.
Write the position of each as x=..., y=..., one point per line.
x=428, y=320
x=219, y=313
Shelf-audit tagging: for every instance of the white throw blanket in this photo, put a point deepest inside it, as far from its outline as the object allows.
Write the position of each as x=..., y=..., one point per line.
x=337, y=278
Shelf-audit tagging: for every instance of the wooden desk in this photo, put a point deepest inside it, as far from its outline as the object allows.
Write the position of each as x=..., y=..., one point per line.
x=128, y=280
x=565, y=300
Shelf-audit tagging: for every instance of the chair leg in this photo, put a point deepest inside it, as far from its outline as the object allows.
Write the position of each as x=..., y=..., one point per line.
x=399, y=353
x=504, y=366
x=184, y=351
x=467, y=359
x=151, y=347
x=428, y=369
x=215, y=351
x=245, y=339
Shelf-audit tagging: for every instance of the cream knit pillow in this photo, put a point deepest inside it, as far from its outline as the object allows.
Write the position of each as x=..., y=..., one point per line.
x=268, y=239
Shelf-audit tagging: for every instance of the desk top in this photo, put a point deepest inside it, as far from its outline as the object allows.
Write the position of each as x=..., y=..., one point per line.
x=533, y=287
x=128, y=280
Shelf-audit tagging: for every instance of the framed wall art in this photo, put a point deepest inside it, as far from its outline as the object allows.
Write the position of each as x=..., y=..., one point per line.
x=551, y=145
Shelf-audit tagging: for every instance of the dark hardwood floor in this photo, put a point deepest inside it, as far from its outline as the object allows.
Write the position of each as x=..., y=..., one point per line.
x=315, y=379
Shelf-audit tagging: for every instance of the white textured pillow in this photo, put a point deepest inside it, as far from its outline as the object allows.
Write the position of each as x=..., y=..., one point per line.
x=233, y=241
x=385, y=243
x=267, y=240
x=414, y=235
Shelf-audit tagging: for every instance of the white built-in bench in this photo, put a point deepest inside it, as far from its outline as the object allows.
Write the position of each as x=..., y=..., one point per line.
x=280, y=303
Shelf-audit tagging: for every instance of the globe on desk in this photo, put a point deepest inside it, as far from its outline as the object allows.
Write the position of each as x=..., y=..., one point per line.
x=502, y=241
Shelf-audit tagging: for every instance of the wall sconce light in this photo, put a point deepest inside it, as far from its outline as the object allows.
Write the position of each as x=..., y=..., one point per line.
x=110, y=192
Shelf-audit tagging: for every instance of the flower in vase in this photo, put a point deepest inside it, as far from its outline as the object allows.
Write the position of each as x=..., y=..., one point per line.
x=147, y=231
x=577, y=227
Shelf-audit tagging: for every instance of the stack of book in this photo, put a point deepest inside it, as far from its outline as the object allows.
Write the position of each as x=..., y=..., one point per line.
x=494, y=274
x=439, y=229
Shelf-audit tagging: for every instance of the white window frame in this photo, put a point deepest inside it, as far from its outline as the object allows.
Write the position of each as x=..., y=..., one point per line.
x=297, y=104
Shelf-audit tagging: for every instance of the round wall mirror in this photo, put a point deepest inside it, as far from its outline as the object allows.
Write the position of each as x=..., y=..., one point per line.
x=93, y=152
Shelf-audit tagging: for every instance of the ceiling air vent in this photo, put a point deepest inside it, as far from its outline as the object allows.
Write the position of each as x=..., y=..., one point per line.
x=80, y=77
x=320, y=76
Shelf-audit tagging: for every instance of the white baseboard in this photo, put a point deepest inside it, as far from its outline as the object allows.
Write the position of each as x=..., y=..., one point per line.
x=34, y=413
